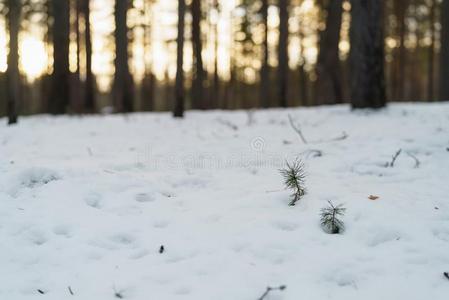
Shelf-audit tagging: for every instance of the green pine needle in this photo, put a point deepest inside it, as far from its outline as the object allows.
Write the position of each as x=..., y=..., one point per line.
x=294, y=178
x=330, y=218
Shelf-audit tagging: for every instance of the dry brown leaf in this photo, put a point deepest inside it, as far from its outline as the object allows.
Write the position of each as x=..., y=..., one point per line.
x=372, y=197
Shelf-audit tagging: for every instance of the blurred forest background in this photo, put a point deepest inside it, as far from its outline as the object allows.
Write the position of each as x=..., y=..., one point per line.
x=89, y=56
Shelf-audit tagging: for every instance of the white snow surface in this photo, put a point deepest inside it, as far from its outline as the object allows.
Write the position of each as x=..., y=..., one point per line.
x=86, y=203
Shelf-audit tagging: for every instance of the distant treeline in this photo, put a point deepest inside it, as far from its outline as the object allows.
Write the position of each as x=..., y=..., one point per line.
x=369, y=52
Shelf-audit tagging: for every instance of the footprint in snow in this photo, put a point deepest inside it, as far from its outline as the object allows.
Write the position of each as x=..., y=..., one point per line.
x=63, y=230
x=93, y=200
x=36, y=237
x=33, y=178
x=441, y=234
x=123, y=238
x=145, y=197
x=160, y=224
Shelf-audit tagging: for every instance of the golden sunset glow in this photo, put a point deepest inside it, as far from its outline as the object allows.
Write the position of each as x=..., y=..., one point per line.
x=33, y=57
x=3, y=47
x=160, y=55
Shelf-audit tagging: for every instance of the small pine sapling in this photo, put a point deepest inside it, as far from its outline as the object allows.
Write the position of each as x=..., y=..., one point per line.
x=330, y=218
x=294, y=178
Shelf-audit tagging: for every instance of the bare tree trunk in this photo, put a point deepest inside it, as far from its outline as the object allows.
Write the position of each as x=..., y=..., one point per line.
x=329, y=86
x=78, y=9
x=148, y=83
x=123, y=86
x=401, y=9
x=303, y=87
x=89, y=101
x=431, y=57
x=198, y=97
x=283, y=53
x=444, y=56
x=264, y=70
x=178, y=110
x=61, y=74
x=216, y=79
x=13, y=76
x=76, y=88
x=367, y=54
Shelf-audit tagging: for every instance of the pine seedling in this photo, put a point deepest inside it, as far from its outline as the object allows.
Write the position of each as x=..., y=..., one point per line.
x=330, y=218
x=294, y=178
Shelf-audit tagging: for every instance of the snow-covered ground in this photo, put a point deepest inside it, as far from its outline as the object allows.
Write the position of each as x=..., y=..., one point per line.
x=86, y=203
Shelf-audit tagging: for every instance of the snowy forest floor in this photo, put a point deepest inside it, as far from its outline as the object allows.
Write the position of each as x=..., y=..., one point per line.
x=86, y=203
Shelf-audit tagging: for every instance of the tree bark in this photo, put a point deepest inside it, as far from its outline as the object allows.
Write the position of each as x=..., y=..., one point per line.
x=178, y=110
x=61, y=73
x=283, y=53
x=431, y=58
x=264, y=70
x=123, y=85
x=216, y=79
x=400, y=9
x=444, y=56
x=148, y=84
x=76, y=88
x=198, y=97
x=89, y=100
x=12, y=73
x=303, y=87
x=329, y=86
x=367, y=55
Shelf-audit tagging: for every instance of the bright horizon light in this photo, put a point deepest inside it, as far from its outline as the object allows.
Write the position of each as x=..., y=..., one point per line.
x=34, y=56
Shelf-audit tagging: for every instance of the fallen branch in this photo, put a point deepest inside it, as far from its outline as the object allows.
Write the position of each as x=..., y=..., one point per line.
x=70, y=290
x=417, y=162
x=393, y=160
x=228, y=123
x=296, y=129
x=269, y=289
x=117, y=294
x=312, y=153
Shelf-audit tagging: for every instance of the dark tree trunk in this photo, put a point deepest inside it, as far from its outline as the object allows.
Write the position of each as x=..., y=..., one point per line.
x=283, y=53
x=60, y=94
x=329, y=86
x=148, y=84
x=123, y=85
x=444, y=60
x=13, y=76
x=198, y=97
x=431, y=58
x=303, y=87
x=264, y=75
x=76, y=86
x=215, y=99
x=78, y=9
x=367, y=54
x=89, y=101
x=178, y=110
x=401, y=9
x=147, y=92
